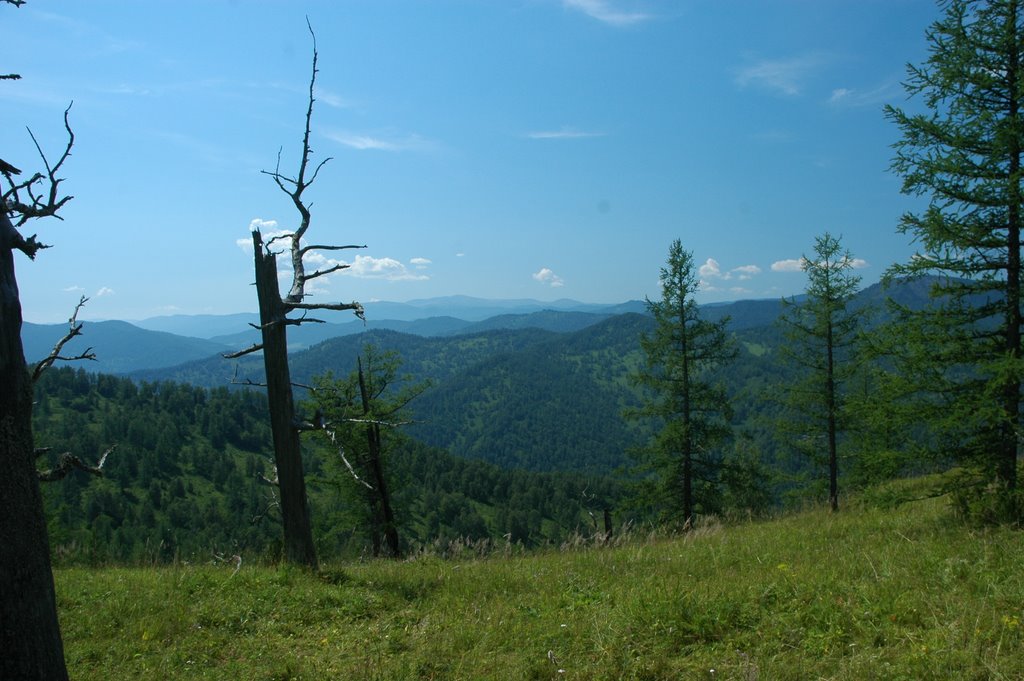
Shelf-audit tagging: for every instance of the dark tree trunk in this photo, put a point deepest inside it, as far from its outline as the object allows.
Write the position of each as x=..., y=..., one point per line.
x=30, y=642
x=1006, y=467
x=298, y=535
x=386, y=513
x=830, y=403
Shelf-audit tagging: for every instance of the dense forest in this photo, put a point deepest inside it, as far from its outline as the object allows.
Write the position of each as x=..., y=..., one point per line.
x=185, y=481
x=520, y=436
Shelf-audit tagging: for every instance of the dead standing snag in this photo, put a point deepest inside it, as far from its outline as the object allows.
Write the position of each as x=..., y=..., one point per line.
x=274, y=321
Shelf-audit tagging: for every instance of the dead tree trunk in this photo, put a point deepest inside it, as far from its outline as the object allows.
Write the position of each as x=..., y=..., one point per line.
x=30, y=642
x=298, y=533
x=298, y=536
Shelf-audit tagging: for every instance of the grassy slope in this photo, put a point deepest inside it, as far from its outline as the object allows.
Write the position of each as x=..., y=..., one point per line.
x=869, y=593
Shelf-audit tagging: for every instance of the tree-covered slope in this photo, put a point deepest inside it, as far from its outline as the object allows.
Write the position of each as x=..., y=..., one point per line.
x=184, y=480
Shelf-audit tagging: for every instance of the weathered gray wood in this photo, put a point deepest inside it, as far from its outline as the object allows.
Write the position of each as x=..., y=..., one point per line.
x=298, y=535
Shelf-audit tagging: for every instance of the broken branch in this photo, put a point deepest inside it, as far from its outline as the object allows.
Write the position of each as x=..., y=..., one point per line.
x=74, y=329
x=68, y=462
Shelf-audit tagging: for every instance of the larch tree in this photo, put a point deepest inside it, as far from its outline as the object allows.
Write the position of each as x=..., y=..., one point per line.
x=690, y=410
x=821, y=331
x=962, y=355
x=274, y=321
x=361, y=416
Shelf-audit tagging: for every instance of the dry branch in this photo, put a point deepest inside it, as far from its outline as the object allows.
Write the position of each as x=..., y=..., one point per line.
x=74, y=329
x=68, y=462
x=26, y=199
x=255, y=347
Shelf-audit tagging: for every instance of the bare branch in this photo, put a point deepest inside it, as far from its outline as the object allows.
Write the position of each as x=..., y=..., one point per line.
x=274, y=503
x=74, y=329
x=69, y=461
x=356, y=307
x=49, y=202
x=323, y=247
x=255, y=347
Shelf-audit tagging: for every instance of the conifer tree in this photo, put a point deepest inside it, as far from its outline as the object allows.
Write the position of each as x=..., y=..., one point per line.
x=821, y=331
x=962, y=356
x=692, y=411
x=361, y=416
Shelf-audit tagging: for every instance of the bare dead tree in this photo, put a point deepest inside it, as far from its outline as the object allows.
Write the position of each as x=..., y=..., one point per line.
x=29, y=632
x=274, y=321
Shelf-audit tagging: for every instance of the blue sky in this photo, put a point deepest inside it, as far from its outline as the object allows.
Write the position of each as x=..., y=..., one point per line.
x=496, y=148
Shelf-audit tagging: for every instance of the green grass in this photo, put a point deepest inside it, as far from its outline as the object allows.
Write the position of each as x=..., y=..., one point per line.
x=869, y=593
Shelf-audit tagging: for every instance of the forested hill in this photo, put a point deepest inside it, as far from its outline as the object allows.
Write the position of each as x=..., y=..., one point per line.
x=522, y=398
x=537, y=398
x=184, y=480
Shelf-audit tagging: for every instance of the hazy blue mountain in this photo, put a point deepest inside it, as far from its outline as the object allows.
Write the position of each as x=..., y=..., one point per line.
x=549, y=320
x=126, y=351
x=120, y=347
x=200, y=325
x=306, y=335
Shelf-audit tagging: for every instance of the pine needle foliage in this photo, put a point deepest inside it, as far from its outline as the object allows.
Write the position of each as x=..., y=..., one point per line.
x=692, y=411
x=821, y=332
x=960, y=362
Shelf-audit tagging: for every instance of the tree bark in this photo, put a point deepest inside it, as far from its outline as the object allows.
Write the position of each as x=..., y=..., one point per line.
x=30, y=641
x=375, y=448
x=298, y=534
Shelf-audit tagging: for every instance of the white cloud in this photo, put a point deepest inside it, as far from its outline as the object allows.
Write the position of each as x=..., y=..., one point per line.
x=789, y=265
x=781, y=75
x=104, y=291
x=390, y=142
x=603, y=11
x=73, y=289
x=546, y=276
x=712, y=270
x=744, y=272
x=565, y=133
x=368, y=267
x=858, y=263
x=420, y=263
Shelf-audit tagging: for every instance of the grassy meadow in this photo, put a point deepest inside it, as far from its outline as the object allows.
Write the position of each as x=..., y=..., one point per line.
x=869, y=593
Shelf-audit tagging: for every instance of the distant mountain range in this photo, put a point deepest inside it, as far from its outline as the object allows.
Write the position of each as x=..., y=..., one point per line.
x=161, y=342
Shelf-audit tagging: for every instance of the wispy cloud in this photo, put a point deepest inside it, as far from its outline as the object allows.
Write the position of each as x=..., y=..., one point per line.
x=547, y=276
x=104, y=291
x=565, y=133
x=785, y=76
x=851, y=97
x=73, y=289
x=379, y=142
x=99, y=41
x=330, y=98
x=420, y=263
x=605, y=12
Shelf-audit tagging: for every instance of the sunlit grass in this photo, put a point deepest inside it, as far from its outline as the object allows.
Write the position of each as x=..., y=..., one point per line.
x=867, y=593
